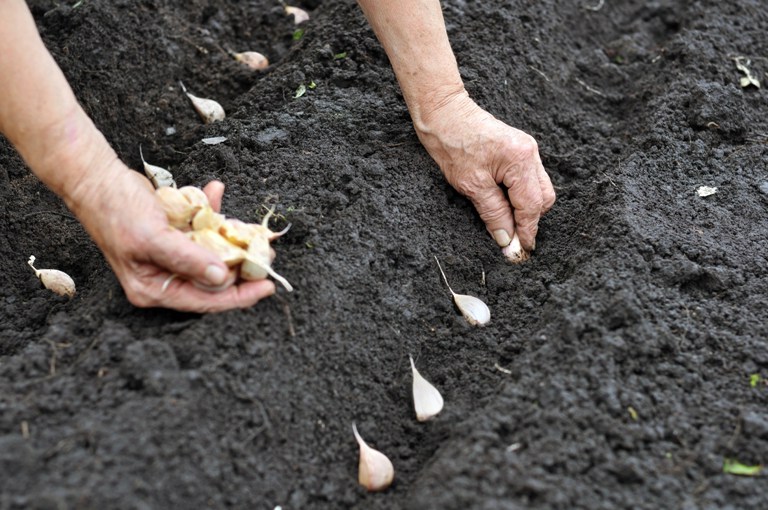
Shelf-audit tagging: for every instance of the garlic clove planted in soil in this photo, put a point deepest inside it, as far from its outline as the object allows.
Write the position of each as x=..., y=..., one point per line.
x=54, y=280
x=514, y=251
x=299, y=15
x=252, y=59
x=375, y=470
x=474, y=310
x=426, y=399
x=208, y=109
x=159, y=176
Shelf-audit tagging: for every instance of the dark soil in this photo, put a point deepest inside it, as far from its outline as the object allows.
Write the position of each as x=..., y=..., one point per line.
x=623, y=364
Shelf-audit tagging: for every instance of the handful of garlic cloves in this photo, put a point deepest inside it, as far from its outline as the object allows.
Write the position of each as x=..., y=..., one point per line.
x=243, y=247
x=54, y=280
x=375, y=470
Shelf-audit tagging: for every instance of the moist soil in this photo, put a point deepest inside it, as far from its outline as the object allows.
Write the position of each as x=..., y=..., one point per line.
x=624, y=363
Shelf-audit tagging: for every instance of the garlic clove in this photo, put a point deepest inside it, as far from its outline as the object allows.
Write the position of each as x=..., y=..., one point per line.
x=207, y=219
x=299, y=15
x=159, y=176
x=211, y=240
x=257, y=260
x=474, y=310
x=375, y=470
x=258, y=263
x=54, y=280
x=514, y=252
x=252, y=59
x=240, y=233
x=196, y=197
x=177, y=208
x=426, y=399
x=208, y=109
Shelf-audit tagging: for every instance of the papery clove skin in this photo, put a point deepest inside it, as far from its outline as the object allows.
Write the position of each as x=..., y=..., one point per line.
x=427, y=401
x=299, y=15
x=159, y=176
x=54, y=280
x=208, y=109
x=375, y=470
x=252, y=59
x=474, y=310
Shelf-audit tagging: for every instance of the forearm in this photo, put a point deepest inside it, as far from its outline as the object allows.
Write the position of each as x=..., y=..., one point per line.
x=413, y=34
x=39, y=114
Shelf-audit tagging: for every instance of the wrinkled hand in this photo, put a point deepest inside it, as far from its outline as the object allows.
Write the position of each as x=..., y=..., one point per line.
x=125, y=220
x=477, y=154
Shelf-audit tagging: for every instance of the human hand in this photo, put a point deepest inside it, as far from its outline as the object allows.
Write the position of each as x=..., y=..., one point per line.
x=477, y=154
x=120, y=212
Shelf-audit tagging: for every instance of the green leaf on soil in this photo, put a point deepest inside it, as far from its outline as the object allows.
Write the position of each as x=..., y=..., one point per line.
x=298, y=34
x=300, y=91
x=754, y=379
x=340, y=56
x=632, y=413
x=312, y=85
x=735, y=467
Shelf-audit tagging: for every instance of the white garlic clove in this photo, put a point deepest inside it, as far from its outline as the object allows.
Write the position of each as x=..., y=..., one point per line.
x=159, y=176
x=54, y=280
x=299, y=15
x=375, y=470
x=257, y=260
x=255, y=266
x=208, y=109
x=514, y=252
x=252, y=59
x=474, y=310
x=426, y=399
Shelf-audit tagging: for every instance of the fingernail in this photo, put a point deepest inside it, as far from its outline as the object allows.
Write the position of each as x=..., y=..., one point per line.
x=215, y=275
x=502, y=237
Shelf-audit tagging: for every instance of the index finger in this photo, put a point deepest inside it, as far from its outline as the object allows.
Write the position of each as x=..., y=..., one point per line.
x=525, y=194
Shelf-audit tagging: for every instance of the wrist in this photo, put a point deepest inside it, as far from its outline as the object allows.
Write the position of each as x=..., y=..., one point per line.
x=428, y=107
x=71, y=156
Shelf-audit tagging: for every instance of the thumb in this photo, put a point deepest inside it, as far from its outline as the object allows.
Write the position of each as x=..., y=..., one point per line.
x=495, y=210
x=177, y=254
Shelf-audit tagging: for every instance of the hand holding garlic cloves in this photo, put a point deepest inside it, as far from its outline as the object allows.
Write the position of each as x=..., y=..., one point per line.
x=119, y=210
